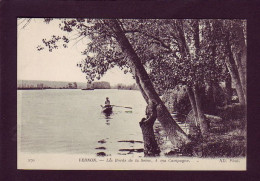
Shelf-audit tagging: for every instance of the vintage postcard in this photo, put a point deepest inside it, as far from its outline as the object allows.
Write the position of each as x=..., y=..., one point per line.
x=131, y=94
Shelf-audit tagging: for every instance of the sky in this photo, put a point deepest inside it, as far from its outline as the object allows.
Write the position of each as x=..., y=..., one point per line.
x=58, y=65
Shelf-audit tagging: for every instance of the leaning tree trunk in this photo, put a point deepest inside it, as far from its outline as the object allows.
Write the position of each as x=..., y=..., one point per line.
x=204, y=126
x=193, y=103
x=176, y=135
x=193, y=118
x=231, y=65
x=146, y=98
x=240, y=55
x=150, y=145
x=240, y=68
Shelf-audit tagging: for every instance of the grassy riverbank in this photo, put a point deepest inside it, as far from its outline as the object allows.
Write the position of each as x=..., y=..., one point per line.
x=227, y=137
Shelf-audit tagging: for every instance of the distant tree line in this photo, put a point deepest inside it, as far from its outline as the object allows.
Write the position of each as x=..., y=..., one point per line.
x=33, y=85
x=126, y=87
x=99, y=85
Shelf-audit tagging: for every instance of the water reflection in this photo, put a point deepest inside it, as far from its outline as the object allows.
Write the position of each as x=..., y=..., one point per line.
x=108, y=117
x=103, y=148
x=107, y=122
x=102, y=141
x=134, y=147
x=130, y=151
x=101, y=154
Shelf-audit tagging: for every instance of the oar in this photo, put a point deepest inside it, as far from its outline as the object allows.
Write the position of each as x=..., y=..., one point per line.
x=122, y=106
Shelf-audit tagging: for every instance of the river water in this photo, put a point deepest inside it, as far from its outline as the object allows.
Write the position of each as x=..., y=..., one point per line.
x=70, y=121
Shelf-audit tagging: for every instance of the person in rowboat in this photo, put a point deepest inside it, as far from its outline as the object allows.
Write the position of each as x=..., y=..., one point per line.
x=107, y=102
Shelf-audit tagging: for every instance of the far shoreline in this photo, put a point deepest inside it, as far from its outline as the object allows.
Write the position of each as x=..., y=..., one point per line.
x=71, y=89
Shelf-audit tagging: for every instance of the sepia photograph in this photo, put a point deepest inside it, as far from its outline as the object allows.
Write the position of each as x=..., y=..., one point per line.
x=131, y=94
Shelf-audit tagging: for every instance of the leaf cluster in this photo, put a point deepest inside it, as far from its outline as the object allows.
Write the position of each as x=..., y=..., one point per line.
x=186, y=52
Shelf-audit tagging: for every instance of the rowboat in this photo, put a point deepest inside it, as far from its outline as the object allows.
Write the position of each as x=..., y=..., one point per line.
x=107, y=109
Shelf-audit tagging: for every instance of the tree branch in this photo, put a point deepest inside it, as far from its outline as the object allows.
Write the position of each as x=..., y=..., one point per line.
x=150, y=36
